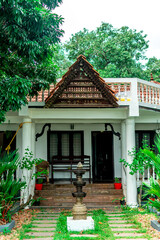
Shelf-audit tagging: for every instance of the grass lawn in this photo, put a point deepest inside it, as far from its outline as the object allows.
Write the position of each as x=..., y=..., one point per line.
x=139, y=217
x=101, y=226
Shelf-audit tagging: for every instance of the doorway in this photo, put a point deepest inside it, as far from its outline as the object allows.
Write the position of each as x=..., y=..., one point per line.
x=102, y=157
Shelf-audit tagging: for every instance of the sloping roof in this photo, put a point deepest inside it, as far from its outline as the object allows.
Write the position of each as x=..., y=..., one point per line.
x=81, y=86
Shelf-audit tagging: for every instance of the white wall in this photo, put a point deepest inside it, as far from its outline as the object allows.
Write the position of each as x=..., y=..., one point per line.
x=117, y=152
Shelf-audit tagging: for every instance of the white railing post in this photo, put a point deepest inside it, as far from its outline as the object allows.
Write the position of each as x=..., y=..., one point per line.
x=134, y=106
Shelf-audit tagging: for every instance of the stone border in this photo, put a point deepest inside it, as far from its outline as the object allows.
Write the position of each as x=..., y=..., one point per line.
x=155, y=224
x=7, y=226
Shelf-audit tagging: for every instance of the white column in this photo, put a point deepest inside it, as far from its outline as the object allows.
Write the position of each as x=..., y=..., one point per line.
x=134, y=105
x=123, y=155
x=131, y=179
x=33, y=148
x=26, y=143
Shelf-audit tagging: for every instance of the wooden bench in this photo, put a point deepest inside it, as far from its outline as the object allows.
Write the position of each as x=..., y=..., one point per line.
x=69, y=164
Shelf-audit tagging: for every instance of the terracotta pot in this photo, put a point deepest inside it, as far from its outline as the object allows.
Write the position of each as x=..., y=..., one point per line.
x=39, y=186
x=117, y=185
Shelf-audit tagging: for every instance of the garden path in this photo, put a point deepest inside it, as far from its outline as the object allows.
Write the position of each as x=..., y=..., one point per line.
x=43, y=225
x=122, y=228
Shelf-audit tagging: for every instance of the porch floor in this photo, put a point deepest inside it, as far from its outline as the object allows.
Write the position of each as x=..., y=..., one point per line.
x=98, y=195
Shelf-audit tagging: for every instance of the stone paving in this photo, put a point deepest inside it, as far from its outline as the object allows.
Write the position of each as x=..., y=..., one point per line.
x=122, y=229
x=43, y=226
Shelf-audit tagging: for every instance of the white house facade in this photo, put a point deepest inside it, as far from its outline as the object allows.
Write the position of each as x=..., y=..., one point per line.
x=85, y=116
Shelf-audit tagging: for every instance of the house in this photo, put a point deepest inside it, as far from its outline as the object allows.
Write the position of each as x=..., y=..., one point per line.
x=91, y=119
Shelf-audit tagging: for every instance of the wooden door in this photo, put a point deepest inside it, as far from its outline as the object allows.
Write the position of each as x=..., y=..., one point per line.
x=102, y=157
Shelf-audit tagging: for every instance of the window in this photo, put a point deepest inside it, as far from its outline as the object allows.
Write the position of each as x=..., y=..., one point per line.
x=144, y=136
x=5, y=138
x=65, y=143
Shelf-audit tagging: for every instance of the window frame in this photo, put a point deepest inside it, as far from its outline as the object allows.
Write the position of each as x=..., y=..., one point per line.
x=140, y=137
x=71, y=150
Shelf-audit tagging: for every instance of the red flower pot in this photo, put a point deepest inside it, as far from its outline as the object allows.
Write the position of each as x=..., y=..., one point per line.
x=38, y=186
x=153, y=199
x=117, y=185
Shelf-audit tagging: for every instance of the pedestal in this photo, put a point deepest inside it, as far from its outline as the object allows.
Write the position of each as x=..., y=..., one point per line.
x=80, y=225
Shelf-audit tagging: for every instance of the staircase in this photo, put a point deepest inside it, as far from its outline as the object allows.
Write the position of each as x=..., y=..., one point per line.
x=60, y=195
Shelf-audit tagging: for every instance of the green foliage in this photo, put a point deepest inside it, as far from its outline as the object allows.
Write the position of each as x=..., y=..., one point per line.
x=28, y=162
x=9, y=187
x=140, y=160
x=153, y=66
x=155, y=158
x=28, y=31
x=113, y=52
x=116, y=180
x=154, y=186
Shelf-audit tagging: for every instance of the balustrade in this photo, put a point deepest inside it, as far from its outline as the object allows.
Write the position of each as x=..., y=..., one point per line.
x=148, y=173
x=148, y=93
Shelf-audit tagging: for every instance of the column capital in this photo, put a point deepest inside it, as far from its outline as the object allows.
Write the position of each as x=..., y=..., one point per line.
x=27, y=120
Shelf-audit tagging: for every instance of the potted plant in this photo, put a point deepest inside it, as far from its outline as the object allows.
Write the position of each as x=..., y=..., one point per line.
x=117, y=183
x=39, y=184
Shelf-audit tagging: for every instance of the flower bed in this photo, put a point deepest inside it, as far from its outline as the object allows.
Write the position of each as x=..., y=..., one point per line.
x=21, y=217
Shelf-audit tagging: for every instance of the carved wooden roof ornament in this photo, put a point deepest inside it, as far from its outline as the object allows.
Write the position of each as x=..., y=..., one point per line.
x=81, y=86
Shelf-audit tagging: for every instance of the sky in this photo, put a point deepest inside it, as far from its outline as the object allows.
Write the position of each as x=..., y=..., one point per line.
x=138, y=14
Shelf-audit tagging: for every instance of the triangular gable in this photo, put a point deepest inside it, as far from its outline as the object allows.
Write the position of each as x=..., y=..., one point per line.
x=81, y=86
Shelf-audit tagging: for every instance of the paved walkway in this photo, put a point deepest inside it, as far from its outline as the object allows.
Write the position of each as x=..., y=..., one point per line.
x=122, y=228
x=43, y=226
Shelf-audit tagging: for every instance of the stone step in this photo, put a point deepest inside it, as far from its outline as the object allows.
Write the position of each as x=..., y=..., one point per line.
x=98, y=198
x=46, y=218
x=131, y=238
x=84, y=235
x=68, y=192
x=114, y=215
x=124, y=229
x=117, y=221
x=114, y=218
x=41, y=229
x=123, y=225
x=69, y=205
x=71, y=186
x=41, y=234
x=128, y=234
x=44, y=221
x=46, y=225
x=108, y=207
x=46, y=238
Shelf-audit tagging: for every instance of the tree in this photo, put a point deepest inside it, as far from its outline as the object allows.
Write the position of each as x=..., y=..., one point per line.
x=28, y=32
x=113, y=52
x=153, y=66
x=61, y=60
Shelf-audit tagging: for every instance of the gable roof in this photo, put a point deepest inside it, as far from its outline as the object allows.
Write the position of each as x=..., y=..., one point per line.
x=81, y=86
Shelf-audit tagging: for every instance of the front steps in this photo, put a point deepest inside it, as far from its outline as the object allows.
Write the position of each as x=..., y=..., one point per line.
x=98, y=195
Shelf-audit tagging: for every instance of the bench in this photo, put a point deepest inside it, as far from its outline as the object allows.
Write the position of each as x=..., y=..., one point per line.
x=69, y=164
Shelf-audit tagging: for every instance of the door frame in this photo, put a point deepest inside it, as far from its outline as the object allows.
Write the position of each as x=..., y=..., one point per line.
x=93, y=159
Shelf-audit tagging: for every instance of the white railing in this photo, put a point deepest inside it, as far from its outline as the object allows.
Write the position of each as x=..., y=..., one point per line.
x=127, y=91
x=148, y=93
x=148, y=173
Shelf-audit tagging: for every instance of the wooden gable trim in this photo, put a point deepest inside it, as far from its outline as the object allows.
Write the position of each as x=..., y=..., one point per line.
x=93, y=75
